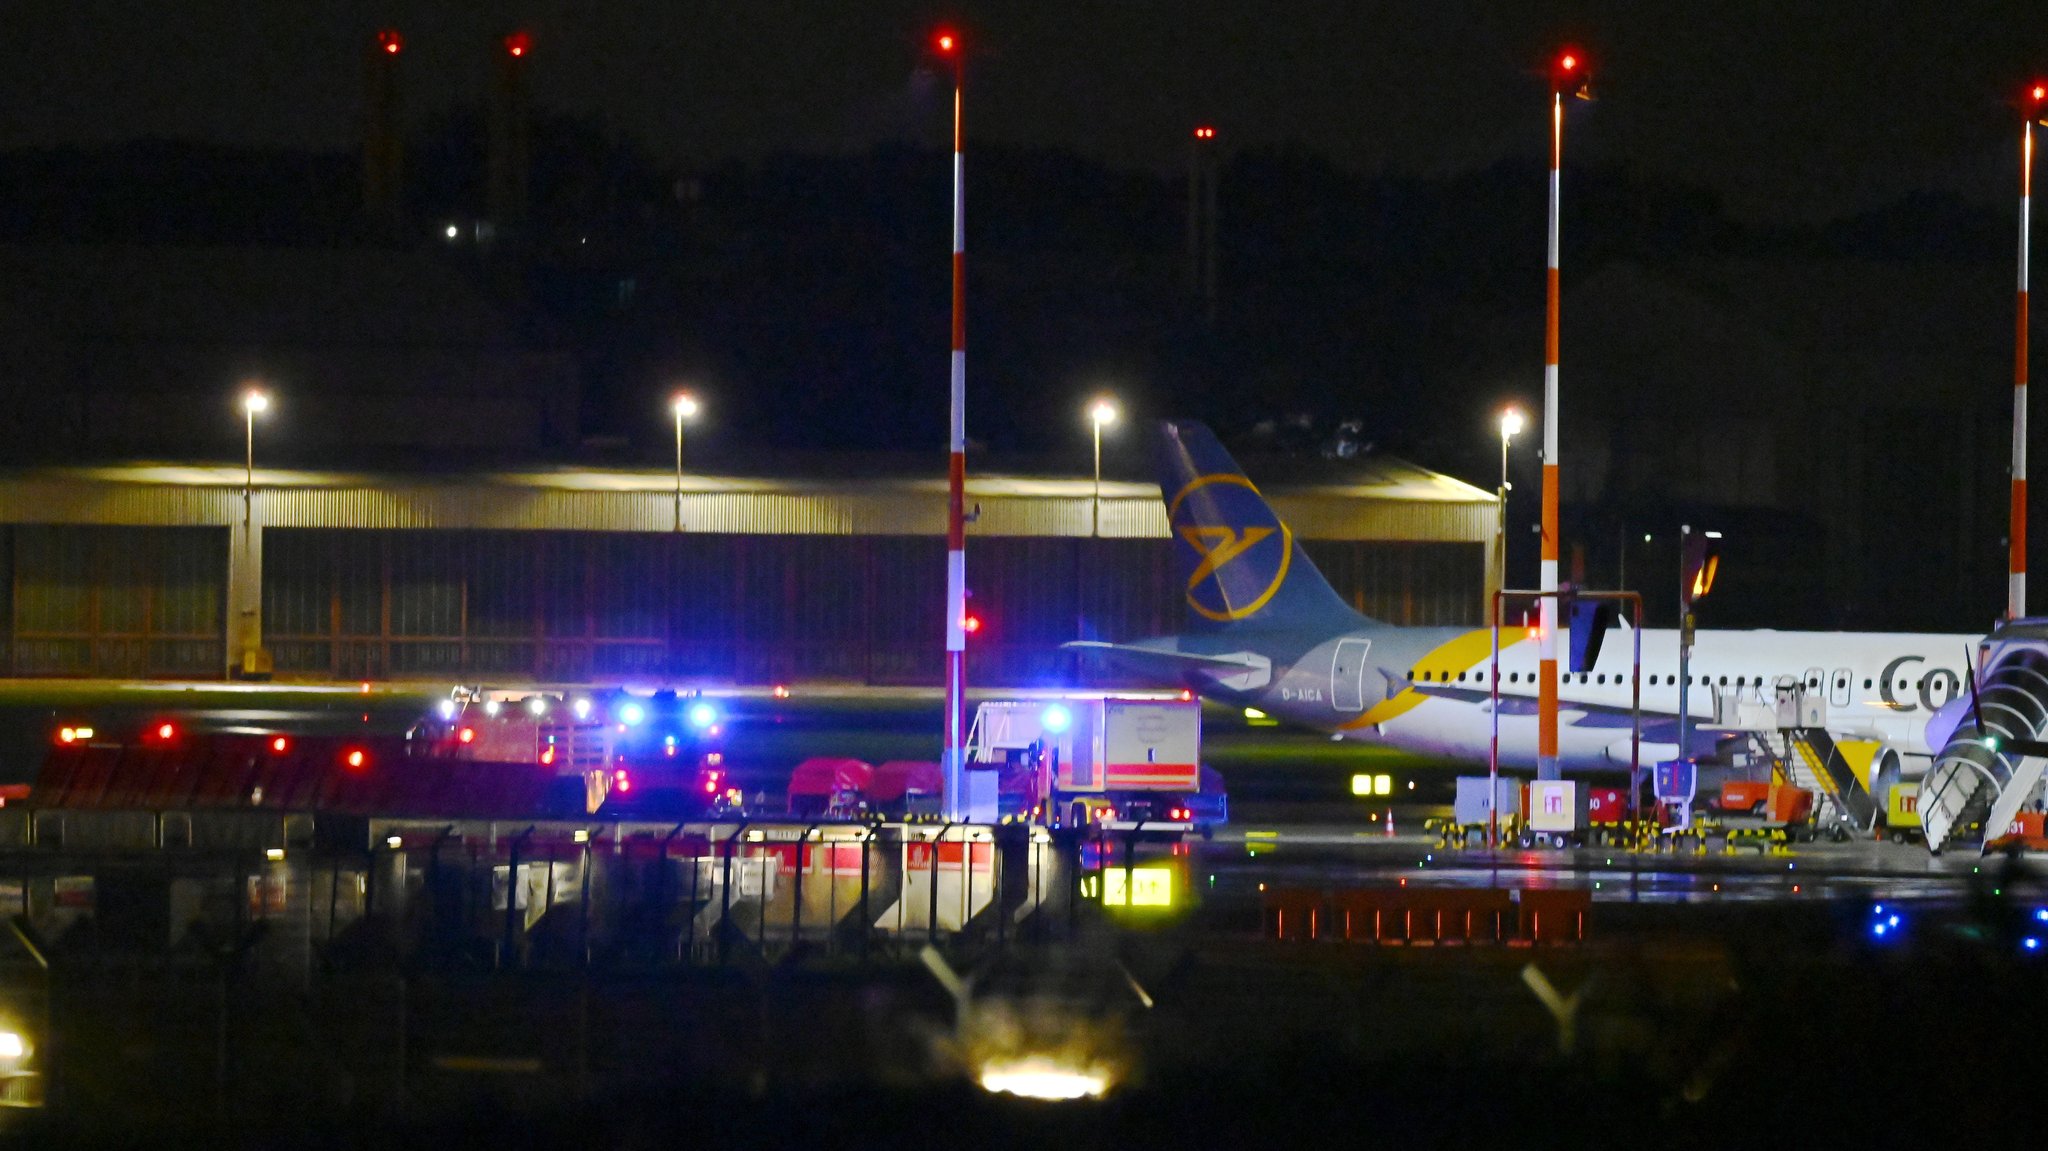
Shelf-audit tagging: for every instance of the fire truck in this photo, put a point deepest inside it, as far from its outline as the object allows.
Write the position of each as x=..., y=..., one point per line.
x=657, y=755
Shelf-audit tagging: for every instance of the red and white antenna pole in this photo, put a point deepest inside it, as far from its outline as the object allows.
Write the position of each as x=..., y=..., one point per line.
x=2016, y=536
x=1568, y=75
x=953, y=760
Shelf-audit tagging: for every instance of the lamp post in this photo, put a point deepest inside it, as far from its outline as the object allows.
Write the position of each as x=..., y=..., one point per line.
x=684, y=408
x=1101, y=414
x=1510, y=427
x=244, y=594
x=255, y=402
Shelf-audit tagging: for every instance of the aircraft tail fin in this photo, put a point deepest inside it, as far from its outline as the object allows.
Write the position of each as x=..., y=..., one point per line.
x=1239, y=564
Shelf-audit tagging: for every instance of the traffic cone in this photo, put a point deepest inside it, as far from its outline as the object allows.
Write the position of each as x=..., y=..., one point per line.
x=1390, y=821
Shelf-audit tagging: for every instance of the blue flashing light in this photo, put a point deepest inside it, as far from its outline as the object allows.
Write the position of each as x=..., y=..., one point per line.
x=702, y=715
x=2042, y=915
x=632, y=714
x=1878, y=910
x=1894, y=921
x=1878, y=930
x=1056, y=718
x=2031, y=943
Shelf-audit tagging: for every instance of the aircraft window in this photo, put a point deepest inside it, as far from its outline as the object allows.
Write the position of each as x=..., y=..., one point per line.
x=1901, y=687
x=1411, y=675
x=1866, y=684
x=1724, y=681
x=1813, y=683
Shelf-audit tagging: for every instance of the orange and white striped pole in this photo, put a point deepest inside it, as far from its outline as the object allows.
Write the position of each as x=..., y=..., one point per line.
x=2016, y=536
x=1567, y=75
x=954, y=755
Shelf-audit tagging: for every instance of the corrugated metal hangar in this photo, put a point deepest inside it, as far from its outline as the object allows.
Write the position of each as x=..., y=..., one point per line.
x=591, y=576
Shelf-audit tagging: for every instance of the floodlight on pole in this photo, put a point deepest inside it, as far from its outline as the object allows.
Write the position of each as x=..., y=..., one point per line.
x=684, y=408
x=1510, y=426
x=255, y=402
x=1101, y=414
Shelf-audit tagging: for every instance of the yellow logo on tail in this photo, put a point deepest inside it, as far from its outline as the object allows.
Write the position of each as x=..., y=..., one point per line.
x=1214, y=592
x=1218, y=546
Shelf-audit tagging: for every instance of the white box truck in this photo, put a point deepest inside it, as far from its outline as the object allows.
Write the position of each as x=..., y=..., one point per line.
x=1102, y=760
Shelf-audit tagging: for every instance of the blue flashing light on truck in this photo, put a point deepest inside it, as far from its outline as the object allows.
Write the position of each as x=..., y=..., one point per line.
x=659, y=755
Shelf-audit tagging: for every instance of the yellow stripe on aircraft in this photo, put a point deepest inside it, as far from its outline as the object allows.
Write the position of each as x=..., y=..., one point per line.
x=1462, y=653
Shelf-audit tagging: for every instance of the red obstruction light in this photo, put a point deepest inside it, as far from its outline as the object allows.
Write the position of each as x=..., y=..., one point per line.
x=518, y=44
x=2035, y=101
x=970, y=624
x=279, y=744
x=466, y=735
x=390, y=42
x=166, y=731
x=1569, y=74
x=1205, y=133
x=356, y=758
x=946, y=42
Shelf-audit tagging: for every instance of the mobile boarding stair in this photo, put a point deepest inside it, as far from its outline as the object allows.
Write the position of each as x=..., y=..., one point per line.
x=1788, y=731
x=1991, y=766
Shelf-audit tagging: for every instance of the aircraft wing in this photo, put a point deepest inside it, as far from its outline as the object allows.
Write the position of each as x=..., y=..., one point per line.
x=1657, y=727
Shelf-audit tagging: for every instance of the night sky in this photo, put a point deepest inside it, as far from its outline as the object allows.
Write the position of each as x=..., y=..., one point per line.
x=1793, y=111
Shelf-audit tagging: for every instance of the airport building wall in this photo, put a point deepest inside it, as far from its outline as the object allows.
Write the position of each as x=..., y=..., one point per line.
x=489, y=583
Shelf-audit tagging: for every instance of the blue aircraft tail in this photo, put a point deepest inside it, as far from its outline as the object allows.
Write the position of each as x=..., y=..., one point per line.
x=1239, y=564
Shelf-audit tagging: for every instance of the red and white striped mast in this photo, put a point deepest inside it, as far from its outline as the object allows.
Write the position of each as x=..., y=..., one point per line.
x=2036, y=106
x=953, y=758
x=1569, y=75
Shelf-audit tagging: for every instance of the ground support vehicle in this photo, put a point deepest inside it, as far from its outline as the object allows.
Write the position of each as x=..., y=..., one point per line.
x=656, y=755
x=1114, y=762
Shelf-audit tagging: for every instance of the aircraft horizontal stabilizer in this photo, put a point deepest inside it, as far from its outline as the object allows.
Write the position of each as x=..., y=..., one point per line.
x=1239, y=671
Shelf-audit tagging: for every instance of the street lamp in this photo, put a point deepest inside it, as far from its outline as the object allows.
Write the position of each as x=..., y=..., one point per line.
x=255, y=402
x=1510, y=427
x=1101, y=414
x=685, y=408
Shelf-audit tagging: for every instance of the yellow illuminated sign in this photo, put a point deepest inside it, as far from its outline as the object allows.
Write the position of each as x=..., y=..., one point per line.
x=1372, y=784
x=1149, y=887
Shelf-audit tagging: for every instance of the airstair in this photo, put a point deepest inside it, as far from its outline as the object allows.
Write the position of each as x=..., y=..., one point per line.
x=1788, y=731
x=1979, y=780
x=1812, y=761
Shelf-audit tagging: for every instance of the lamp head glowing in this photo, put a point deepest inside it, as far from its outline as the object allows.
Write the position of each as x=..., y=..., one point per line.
x=685, y=406
x=255, y=401
x=1103, y=412
x=1510, y=423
